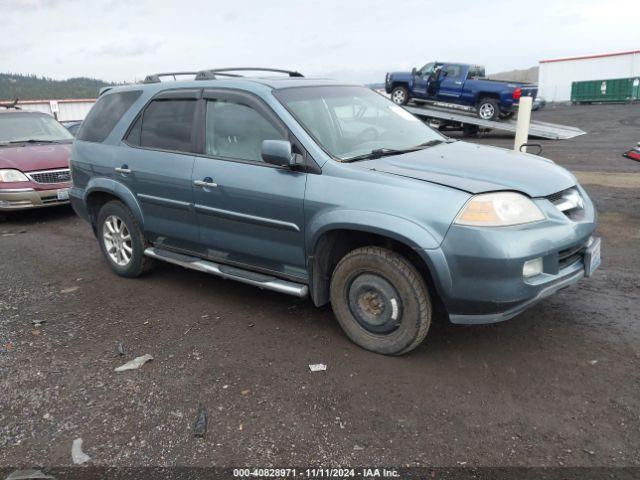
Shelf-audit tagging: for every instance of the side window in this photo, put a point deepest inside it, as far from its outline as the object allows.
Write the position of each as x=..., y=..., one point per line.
x=453, y=71
x=104, y=115
x=133, y=138
x=165, y=125
x=235, y=130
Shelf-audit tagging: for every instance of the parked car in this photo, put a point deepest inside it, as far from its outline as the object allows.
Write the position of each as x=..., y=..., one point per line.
x=322, y=189
x=538, y=103
x=34, y=160
x=458, y=84
x=73, y=126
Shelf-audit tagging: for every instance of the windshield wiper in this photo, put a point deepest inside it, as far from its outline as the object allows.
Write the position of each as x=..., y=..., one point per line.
x=385, y=152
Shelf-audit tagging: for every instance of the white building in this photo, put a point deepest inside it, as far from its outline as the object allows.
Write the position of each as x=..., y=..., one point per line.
x=556, y=75
x=64, y=110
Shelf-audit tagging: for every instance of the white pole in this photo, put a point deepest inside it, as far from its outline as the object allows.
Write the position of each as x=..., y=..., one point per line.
x=522, y=127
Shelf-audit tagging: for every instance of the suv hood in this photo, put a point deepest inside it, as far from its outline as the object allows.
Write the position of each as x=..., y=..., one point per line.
x=477, y=169
x=36, y=157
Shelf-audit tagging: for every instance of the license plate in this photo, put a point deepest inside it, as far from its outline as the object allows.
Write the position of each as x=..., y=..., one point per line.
x=63, y=194
x=592, y=257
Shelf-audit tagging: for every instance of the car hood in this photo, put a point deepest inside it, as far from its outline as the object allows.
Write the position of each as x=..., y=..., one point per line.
x=477, y=168
x=35, y=157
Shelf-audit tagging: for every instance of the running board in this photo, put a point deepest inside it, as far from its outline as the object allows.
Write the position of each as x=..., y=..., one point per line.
x=233, y=273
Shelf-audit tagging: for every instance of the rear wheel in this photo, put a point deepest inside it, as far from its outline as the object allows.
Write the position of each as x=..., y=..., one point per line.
x=381, y=301
x=506, y=115
x=400, y=95
x=488, y=109
x=121, y=240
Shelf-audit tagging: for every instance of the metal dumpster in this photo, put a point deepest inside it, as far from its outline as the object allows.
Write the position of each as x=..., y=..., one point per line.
x=610, y=90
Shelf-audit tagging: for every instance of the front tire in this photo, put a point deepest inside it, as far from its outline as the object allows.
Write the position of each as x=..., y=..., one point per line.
x=488, y=109
x=400, y=95
x=121, y=240
x=381, y=301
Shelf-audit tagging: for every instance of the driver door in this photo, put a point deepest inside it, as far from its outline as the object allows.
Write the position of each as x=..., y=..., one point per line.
x=421, y=80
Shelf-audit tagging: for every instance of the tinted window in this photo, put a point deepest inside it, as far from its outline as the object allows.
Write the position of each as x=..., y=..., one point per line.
x=134, y=134
x=235, y=130
x=167, y=125
x=104, y=115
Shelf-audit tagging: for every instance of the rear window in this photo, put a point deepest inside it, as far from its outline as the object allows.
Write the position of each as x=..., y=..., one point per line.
x=165, y=125
x=104, y=115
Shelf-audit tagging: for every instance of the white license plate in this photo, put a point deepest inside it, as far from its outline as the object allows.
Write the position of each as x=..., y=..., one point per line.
x=592, y=257
x=63, y=194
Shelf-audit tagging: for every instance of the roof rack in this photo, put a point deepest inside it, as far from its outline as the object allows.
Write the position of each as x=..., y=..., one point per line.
x=155, y=78
x=213, y=73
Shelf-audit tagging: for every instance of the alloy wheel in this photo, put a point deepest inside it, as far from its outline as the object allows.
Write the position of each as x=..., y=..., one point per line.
x=117, y=240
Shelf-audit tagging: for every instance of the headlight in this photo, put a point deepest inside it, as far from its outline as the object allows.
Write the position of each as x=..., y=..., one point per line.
x=499, y=210
x=12, y=176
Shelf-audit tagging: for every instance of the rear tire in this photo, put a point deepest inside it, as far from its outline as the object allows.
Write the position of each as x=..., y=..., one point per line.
x=381, y=301
x=400, y=95
x=121, y=240
x=505, y=115
x=488, y=109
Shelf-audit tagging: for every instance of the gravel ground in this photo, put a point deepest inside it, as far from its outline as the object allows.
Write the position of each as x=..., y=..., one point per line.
x=556, y=386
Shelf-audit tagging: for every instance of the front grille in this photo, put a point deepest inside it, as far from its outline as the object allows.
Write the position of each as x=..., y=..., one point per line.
x=568, y=257
x=51, y=176
x=569, y=202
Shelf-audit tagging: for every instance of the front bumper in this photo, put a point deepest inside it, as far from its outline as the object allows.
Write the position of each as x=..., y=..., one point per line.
x=479, y=271
x=27, y=198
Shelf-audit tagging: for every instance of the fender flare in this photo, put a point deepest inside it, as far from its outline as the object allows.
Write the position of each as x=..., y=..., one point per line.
x=402, y=230
x=117, y=189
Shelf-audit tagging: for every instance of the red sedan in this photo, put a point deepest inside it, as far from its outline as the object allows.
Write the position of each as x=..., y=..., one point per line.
x=34, y=160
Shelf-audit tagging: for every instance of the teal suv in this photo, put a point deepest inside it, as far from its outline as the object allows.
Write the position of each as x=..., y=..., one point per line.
x=327, y=190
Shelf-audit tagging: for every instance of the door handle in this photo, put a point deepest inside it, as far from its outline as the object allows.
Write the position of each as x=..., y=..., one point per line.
x=123, y=169
x=458, y=83
x=207, y=183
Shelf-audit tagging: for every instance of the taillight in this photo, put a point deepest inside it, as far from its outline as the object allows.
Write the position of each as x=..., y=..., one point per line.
x=517, y=93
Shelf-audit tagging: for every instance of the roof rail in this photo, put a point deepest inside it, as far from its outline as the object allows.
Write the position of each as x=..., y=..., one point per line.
x=155, y=78
x=211, y=73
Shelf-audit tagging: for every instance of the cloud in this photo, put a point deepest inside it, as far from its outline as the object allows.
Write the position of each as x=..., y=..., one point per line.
x=131, y=48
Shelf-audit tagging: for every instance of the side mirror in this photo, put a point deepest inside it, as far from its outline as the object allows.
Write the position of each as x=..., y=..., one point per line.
x=277, y=152
x=414, y=71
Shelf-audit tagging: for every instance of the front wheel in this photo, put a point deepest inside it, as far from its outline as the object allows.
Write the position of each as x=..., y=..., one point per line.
x=381, y=301
x=488, y=109
x=400, y=95
x=121, y=240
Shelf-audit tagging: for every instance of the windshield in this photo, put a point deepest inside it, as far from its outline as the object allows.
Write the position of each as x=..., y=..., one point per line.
x=15, y=128
x=353, y=121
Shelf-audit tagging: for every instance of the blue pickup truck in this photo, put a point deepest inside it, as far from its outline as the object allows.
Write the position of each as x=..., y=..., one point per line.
x=458, y=85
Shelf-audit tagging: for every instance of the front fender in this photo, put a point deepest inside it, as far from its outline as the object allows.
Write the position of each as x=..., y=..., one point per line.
x=107, y=185
x=401, y=229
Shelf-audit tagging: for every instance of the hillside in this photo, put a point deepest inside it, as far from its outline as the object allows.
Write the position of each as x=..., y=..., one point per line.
x=31, y=87
x=529, y=75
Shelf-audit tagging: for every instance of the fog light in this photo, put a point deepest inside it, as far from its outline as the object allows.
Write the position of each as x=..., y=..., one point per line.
x=531, y=268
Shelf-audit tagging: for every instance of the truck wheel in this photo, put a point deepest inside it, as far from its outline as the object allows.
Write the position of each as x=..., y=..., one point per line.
x=400, y=95
x=121, y=240
x=380, y=300
x=488, y=109
x=506, y=115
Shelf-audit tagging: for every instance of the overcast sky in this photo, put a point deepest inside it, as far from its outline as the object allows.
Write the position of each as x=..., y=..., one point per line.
x=123, y=40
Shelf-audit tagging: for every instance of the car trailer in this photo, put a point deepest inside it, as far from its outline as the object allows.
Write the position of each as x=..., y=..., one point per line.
x=446, y=119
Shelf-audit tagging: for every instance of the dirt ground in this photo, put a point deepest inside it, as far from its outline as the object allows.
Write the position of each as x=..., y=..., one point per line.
x=558, y=385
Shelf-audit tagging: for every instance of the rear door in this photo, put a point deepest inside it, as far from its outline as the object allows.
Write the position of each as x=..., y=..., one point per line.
x=250, y=213
x=159, y=165
x=451, y=83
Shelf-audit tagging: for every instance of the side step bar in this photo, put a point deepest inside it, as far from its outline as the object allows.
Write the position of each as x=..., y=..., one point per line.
x=233, y=273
